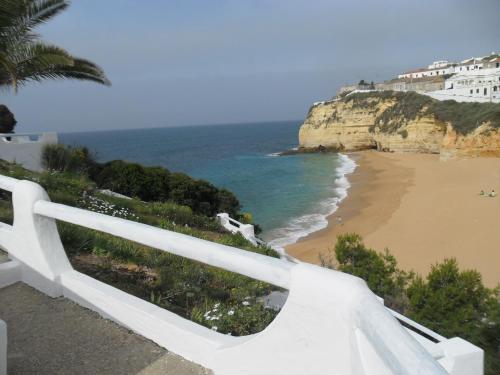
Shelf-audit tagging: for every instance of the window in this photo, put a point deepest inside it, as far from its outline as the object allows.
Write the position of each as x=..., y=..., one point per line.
x=472, y=91
x=498, y=64
x=495, y=88
x=477, y=91
x=485, y=91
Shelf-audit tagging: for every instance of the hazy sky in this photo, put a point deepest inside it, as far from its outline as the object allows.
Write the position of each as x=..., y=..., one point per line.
x=181, y=62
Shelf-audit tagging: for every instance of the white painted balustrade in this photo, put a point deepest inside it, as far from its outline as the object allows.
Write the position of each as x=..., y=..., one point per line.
x=234, y=226
x=331, y=322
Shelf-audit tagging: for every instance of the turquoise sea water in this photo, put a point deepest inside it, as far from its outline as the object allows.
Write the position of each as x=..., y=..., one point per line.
x=289, y=196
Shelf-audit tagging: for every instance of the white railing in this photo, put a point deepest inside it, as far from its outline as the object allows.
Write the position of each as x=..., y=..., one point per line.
x=331, y=322
x=234, y=226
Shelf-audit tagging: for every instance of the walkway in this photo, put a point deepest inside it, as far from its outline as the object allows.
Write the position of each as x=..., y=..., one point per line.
x=56, y=336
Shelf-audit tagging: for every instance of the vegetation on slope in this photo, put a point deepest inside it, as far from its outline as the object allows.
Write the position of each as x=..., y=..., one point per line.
x=466, y=117
x=449, y=301
x=408, y=106
x=149, y=184
x=220, y=300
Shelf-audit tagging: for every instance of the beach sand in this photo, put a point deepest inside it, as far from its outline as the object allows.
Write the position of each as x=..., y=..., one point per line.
x=423, y=209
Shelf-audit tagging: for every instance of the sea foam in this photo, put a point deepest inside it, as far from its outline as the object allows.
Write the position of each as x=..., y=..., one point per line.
x=302, y=226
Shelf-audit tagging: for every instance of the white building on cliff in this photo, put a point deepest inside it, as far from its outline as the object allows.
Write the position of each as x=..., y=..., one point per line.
x=482, y=85
x=472, y=80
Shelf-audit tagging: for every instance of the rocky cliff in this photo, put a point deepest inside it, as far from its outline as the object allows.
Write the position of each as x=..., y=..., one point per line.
x=403, y=122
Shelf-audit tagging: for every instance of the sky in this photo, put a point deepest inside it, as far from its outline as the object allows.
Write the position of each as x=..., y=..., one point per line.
x=188, y=62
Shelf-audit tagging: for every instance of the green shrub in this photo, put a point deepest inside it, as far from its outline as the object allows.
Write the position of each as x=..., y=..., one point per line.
x=6, y=210
x=465, y=117
x=403, y=133
x=448, y=301
x=378, y=270
x=407, y=107
x=236, y=317
x=158, y=184
x=62, y=158
x=456, y=303
x=76, y=239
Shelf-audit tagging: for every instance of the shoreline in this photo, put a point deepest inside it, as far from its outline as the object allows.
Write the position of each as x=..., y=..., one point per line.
x=295, y=230
x=423, y=209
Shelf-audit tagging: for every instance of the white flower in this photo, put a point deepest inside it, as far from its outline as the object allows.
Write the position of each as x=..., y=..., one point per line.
x=214, y=328
x=217, y=305
x=245, y=303
x=230, y=312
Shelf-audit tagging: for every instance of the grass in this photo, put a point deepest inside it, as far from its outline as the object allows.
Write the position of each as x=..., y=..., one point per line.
x=408, y=106
x=185, y=287
x=466, y=117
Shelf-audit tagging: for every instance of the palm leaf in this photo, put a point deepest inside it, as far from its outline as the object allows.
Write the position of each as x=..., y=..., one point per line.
x=24, y=58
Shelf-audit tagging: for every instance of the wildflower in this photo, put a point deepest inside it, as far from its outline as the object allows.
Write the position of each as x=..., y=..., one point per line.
x=230, y=312
x=246, y=303
x=214, y=328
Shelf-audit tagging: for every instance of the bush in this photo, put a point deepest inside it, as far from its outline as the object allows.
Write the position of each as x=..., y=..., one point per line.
x=465, y=117
x=456, y=303
x=158, y=184
x=408, y=107
x=448, y=301
x=61, y=158
x=378, y=270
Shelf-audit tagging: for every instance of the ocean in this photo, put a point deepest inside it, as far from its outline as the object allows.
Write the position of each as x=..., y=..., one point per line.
x=288, y=196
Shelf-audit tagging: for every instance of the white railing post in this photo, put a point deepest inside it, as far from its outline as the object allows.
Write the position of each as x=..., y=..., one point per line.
x=35, y=241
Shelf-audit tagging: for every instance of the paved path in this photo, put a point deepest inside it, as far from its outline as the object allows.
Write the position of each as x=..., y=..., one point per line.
x=56, y=336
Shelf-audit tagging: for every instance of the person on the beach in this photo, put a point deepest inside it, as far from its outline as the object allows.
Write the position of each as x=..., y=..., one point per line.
x=481, y=193
x=493, y=194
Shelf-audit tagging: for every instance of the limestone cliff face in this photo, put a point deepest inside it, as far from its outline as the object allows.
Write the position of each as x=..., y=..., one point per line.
x=340, y=125
x=384, y=124
x=484, y=141
x=423, y=134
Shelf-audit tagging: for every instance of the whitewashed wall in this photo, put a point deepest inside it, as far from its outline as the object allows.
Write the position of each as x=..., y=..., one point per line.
x=25, y=149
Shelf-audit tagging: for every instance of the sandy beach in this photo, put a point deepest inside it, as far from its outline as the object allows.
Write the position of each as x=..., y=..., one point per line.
x=423, y=209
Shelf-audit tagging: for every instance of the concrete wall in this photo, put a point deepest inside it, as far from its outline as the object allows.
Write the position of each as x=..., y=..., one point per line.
x=25, y=149
x=419, y=85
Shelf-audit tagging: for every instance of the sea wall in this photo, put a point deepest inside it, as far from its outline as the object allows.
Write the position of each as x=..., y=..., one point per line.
x=394, y=124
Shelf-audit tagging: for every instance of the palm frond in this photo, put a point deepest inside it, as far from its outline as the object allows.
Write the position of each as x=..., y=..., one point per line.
x=24, y=58
x=41, y=11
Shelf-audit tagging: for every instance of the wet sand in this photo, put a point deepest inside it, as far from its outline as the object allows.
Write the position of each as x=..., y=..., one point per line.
x=423, y=209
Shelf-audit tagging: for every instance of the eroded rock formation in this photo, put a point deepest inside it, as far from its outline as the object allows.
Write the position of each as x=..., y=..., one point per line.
x=394, y=123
